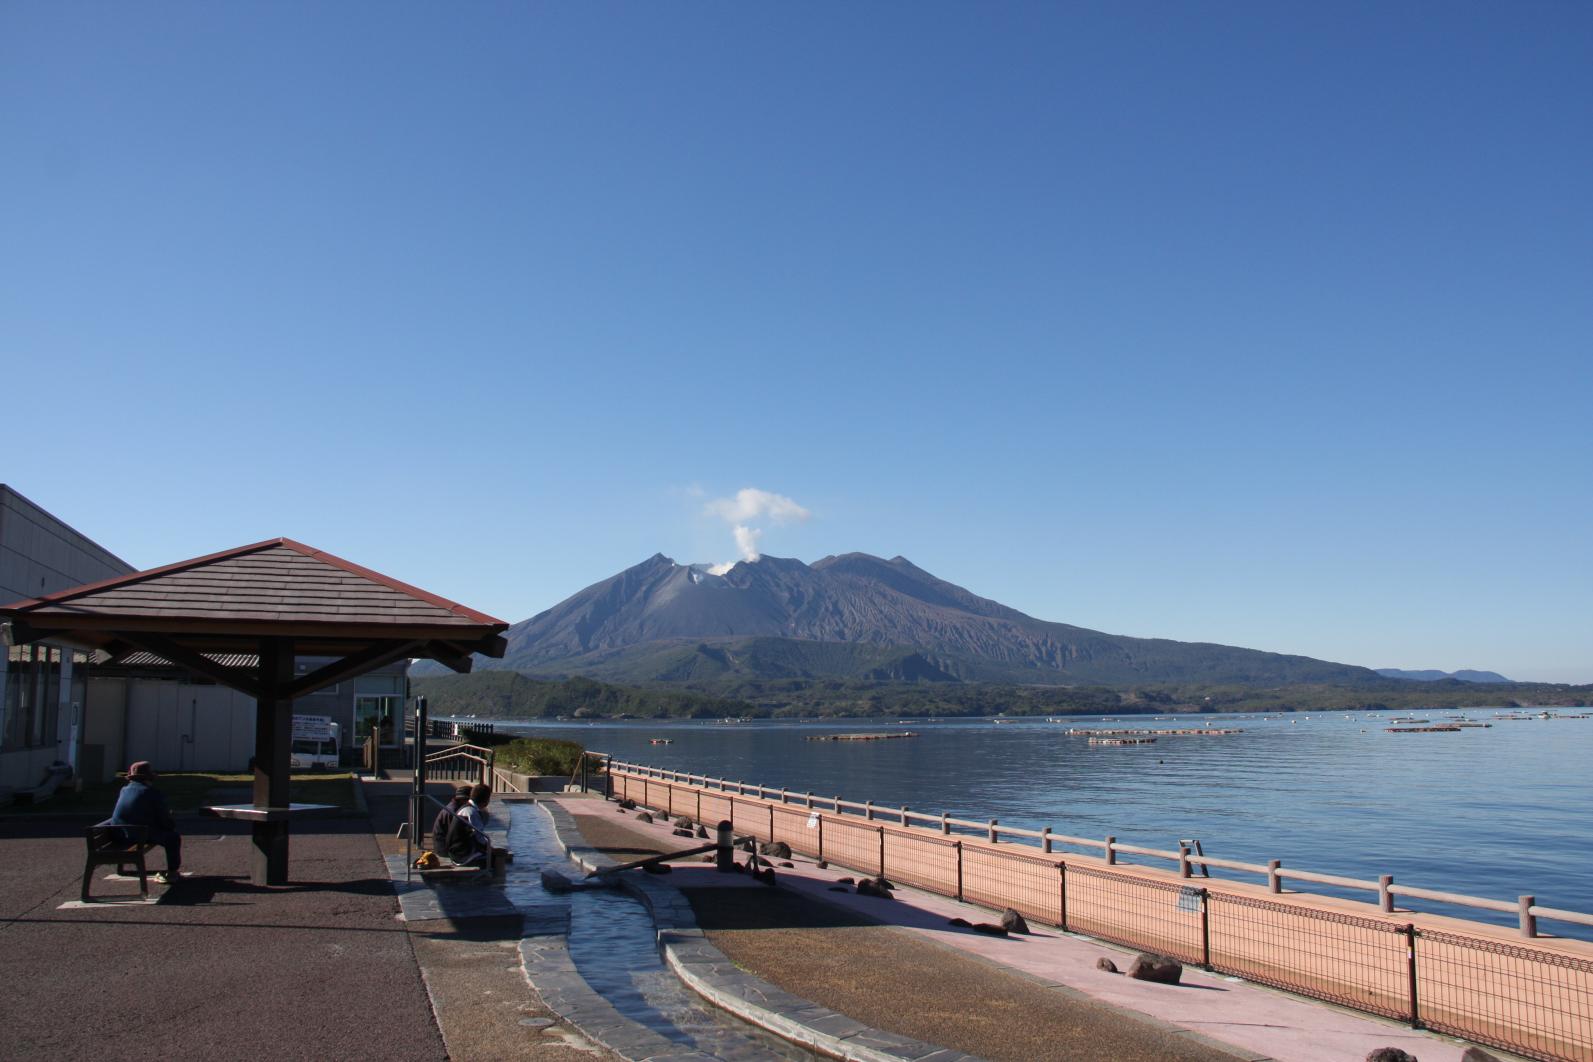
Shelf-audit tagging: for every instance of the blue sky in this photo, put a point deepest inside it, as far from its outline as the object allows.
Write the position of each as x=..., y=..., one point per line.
x=1244, y=322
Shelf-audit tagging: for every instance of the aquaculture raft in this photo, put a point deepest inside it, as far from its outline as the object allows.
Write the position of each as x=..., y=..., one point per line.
x=1423, y=729
x=1122, y=741
x=1153, y=734
x=861, y=737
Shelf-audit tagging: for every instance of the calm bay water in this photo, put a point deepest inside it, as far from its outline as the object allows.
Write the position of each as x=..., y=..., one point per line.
x=1494, y=812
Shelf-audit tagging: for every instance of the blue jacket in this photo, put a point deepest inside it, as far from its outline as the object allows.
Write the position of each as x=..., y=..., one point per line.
x=141, y=804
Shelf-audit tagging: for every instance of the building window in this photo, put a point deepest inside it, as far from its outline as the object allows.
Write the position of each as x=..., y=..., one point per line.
x=32, y=696
x=379, y=713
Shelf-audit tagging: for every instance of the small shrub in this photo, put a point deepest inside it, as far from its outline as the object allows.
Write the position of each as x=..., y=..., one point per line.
x=540, y=756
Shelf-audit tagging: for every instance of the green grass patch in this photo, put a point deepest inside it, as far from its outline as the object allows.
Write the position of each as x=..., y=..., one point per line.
x=190, y=790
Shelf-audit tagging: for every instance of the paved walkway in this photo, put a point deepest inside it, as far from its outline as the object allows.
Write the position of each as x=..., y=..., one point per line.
x=323, y=967
x=1253, y=1021
x=219, y=968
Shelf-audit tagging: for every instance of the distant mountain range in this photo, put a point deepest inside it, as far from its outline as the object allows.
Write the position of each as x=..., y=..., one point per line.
x=1438, y=676
x=854, y=616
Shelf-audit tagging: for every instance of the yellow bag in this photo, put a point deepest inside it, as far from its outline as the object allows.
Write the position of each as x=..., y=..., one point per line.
x=428, y=861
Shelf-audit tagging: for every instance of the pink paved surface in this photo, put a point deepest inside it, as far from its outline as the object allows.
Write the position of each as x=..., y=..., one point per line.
x=1258, y=1021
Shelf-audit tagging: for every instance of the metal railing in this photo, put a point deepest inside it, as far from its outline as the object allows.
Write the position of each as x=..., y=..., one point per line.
x=461, y=763
x=1187, y=861
x=1536, y=1001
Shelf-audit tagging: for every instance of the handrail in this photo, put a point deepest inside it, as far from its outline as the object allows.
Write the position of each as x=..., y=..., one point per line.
x=899, y=818
x=502, y=782
x=476, y=751
x=484, y=758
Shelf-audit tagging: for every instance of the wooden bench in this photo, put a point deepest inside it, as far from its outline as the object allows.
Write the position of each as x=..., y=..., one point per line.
x=120, y=846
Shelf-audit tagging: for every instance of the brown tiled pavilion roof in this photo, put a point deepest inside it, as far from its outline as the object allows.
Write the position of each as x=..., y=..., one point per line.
x=274, y=587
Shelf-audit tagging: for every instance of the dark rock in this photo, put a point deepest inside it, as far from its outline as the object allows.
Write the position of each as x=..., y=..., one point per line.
x=657, y=868
x=628, y=804
x=883, y=883
x=822, y=865
x=1103, y=963
x=963, y=922
x=990, y=928
x=788, y=863
x=872, y=887
x=681, y=833
x=778, y=849
x=1013, y=921
x=1390, y=1054
x=1159, y=968
x=684, y=823
x=642, y=816
x=1477, y=1054
x=702, y=831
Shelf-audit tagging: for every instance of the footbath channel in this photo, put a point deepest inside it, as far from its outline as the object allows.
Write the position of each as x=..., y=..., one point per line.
x=613, y=945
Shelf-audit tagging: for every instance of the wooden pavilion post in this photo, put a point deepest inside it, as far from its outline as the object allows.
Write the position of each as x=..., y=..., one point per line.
x=273, y=736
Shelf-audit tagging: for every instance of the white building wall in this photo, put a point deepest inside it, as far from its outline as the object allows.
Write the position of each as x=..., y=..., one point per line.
x=182, y=727
x=40, y=555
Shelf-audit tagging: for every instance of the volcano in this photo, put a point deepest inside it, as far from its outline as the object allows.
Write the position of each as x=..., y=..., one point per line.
x=854, y=616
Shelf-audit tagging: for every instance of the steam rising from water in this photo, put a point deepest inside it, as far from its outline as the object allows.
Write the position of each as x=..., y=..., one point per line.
x=747, y=505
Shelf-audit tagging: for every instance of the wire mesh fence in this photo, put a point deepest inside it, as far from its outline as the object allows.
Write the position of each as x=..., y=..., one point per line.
x=1135, y=911
x=799, y=829
x=1357, y=962
x=1527, y=1000
x=923, y=859
x=1003, y=877
x=852, y=842
x=1533, y=1001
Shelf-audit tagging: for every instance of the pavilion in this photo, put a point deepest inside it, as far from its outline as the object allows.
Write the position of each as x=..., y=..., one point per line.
x=240, y=618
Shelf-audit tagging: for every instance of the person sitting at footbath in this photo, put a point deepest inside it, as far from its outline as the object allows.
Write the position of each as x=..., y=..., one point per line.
x=141, y=804
x=445, y=818
x=468, y=843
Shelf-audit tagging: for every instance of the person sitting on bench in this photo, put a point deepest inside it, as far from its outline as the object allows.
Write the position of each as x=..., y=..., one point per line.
x=141, y=804
x=439, y=827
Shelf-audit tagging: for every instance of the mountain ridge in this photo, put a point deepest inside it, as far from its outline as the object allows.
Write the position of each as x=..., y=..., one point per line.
x=1434, y=675
x=853, y=615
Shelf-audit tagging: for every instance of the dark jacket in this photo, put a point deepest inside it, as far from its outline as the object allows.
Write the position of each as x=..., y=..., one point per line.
x=439, y=827
x=141, y=804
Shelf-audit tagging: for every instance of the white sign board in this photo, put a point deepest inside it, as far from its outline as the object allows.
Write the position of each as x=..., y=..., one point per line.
x=312, y=728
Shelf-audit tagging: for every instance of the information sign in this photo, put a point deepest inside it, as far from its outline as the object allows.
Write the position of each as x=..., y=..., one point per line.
x=312, y=728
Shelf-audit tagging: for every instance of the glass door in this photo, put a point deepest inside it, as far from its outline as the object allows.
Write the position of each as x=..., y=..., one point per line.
x=379, y=713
